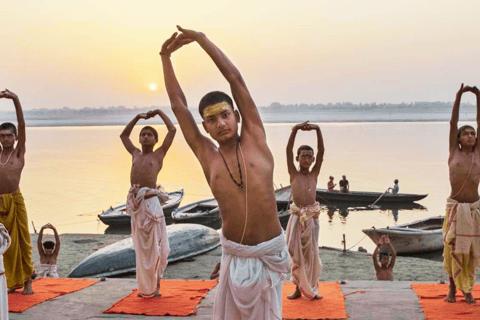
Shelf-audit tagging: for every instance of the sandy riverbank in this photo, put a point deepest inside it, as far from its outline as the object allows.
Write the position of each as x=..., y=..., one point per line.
x=336, y=264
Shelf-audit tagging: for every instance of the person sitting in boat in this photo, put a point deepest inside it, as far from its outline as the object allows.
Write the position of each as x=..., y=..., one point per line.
x=384, y=270
x=395, y=188
x=330, y=184
x=149, y=231
x=344, y=185
x=48, y=252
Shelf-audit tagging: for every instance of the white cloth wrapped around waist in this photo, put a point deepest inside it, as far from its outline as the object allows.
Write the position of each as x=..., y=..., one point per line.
x=251, y=279
x=312, y=211
x=5, y=242
x=463, y=227
x=47, y=271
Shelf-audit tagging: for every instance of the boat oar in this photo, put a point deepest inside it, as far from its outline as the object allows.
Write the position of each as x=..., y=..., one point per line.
x=373, y=204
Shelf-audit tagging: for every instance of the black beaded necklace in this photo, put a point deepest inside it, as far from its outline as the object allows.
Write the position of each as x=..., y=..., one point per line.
x=240, y=185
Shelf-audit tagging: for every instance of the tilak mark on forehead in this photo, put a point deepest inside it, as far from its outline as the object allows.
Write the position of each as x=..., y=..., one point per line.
x=215, y=108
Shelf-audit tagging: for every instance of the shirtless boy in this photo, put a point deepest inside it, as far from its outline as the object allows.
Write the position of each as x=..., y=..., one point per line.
x=461, y=228
x=13, y=214
x=303, y=226
x=48, y=252
x=239, y=172
x=144, y=201
x=330, y=185
x=384, y=271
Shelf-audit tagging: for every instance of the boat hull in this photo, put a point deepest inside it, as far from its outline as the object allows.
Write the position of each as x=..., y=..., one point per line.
x=186, y=240
x=118, y=217
x=409, y=238
x=327, y=197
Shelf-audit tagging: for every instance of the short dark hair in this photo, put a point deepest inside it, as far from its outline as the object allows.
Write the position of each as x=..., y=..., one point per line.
x=396, y=180
x=304, y=147
x=155, y=133
x=459, y=132
x=9, y=126
x=212, y=98
x=382, y=254
x=49, y=244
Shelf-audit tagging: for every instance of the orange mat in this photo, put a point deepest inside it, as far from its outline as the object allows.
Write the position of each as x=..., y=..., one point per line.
x=332, y=306
x=179, y=298
x=431, y=296
x=45, y=289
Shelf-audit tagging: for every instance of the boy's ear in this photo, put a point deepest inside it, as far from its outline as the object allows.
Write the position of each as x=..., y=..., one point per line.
x=296, y=158
x=237, y=116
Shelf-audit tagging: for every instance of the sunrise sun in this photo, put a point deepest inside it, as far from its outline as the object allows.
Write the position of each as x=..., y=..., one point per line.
x=153, y=86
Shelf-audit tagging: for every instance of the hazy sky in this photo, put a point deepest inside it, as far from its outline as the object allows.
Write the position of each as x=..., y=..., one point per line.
x=57, y=53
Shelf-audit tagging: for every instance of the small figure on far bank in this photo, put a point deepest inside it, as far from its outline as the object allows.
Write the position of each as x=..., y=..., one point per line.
x=303, y=226
x=5, y=242
x=384, y=270
x=344, y=185
x=13, y=214
x=461, y=226
x=395, y=188
x=330, y=185
x=48, y=252
x=149, y=232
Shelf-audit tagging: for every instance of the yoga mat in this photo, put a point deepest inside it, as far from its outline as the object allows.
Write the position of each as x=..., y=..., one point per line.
x=179, y=298
x=332, y=306
x=45, y=289
x=432, y=295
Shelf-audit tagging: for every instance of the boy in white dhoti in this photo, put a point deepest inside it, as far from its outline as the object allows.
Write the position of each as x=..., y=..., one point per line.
x=48, y=252
x=149, y=231
x=303, y=226
x=239, y=172
x=4, y=244
x=461, y=228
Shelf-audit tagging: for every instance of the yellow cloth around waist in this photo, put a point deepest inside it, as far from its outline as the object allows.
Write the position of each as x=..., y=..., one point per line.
x=18, y=258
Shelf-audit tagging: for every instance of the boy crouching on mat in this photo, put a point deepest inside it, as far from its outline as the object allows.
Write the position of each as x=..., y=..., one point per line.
x=48, y=252
x=303, y=226
x=149, y=232
x=384, y=270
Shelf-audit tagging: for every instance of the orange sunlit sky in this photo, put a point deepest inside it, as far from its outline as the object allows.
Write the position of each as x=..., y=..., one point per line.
x=58, y=53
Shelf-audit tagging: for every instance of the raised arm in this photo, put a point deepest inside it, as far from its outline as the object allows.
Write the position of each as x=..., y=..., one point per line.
x=167, y=142
x=475, y=91
x=290, y=155
x=394, y=255
x=190, y=130
x=375, y=258
x=251, y=118
x=320, y=149
x=40, y=240
x=125, y=135
x=57, y=240
x=453, y=140
x=21, y=134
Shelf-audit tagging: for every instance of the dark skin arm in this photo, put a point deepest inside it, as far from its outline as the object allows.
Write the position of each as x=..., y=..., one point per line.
x=320, y=149
x=453, y=139
x=394, y=255
x=125, y=135
x=21, y=133
x=248, y=110
x=167, y=142
x=476, y=92
x=375, y=258
x=290, y=164
x=40, y=239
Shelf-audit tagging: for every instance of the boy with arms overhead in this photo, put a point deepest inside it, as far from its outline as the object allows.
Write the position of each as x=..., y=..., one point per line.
x=48, y=252
x=461, y=227
x=303, y=226
x=13, y=214
x=240, y=174
x=384, y=270
x=149, y=232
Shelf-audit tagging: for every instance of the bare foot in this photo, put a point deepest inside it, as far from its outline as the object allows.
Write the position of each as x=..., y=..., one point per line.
x=13, y=289
x=216, y=272
x=28, y=289
x=451, y=295
x=318, y=297
x=469, y=298
x=297, y=294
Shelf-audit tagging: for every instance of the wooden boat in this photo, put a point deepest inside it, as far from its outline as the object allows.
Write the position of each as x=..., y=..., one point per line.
x=186, y=240
x=117, y=216
x=417, y=236
x=206, y=212
x=330, y=197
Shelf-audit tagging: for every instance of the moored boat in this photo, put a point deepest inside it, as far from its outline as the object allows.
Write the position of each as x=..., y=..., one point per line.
x=117, y=216
x=326, y=197
x=186, y=240
x=418, y=236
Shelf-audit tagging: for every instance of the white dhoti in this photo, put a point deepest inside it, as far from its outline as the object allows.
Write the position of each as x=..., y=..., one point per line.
x=47, y=271
x=149, y=234
x=302, y=241
x=251, y=280
x=4, y=244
